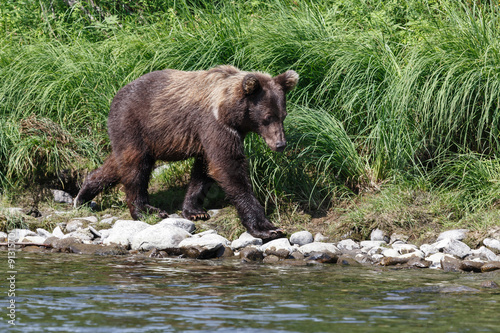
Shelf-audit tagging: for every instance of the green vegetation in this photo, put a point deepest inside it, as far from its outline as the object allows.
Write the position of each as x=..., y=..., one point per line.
x=395, y=97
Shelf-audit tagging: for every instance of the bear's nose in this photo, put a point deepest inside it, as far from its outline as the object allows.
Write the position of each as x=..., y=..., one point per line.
x=280, y=146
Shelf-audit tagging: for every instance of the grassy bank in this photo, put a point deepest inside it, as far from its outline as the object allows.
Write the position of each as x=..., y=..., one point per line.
x=397, y=99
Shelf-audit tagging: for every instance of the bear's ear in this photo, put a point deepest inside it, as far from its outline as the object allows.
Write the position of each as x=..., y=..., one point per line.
x=288, y=80
x=250, y=84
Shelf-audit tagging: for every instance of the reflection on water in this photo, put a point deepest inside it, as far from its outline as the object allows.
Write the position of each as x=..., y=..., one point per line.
x=74, y=293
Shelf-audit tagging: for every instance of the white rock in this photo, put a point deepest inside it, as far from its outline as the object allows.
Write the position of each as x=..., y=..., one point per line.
x=207, y=232
x=436, y=259
x=456, y=234
x=318, y=247
x=428, y=249
x=493, y=244
x=16, y=235
x=395, y=237
x=57, y=232
x=185, y=224
x=44, y=233
x=85, y=235
x=3, y=235
x=123, y=231
x=104, y=233
x=320, y=238
x=62, y=197
x=207, y=242
x=375, y=250
x=348, y=245
x=404, y=248
x=377, y=235
x=13, y=211
x=485, y=253
x=158, y=236
x=453, y=247
x=301, y=238
x=74, y=225
x=245, y=240
x=390, y=253
x=89, y=219
x=278, y=244
x=370, y=244
x=109, y=220
x=377, y=257
x=416, y=253
x=34, y=239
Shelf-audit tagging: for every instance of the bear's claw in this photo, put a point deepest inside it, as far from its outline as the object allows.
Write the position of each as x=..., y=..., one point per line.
x=196, y=216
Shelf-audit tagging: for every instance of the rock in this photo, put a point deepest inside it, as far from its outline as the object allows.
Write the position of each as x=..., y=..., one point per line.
x=109, y=220
x=43, y=233
x=378, y=235
x=436, y=258
x=16, y=235
x=251, y=254
x=346, y=260
x=457, y=234
x=301, y=238
x=34, y=239
x=323, y=257
x=185, y=224
x=61, y=244
x=271, y=259
x=471, y=266
x=320, y=238
x=277, y=244
x=3, y=236
x=123, y=231
x=224, y=252
x=489, y=284
x=347, y=245
x=213, y=212
x=490, y=266
x=94, y=232
x=492, y=244
x=428, y=249
x=281, y=253
x=88, y=219
x=391, y=261
x=204, y=247
x=307, y=249
x=207, y=232
x=371, y=244
x=160, y=236
x=453, y=247
x=13, y=211
x=245, y=240
x=105, y=233
x=62, y=197
x=418, y=263
x=100, y=250
x=390, y=253
x=57, y=232
x=398, y=237
x=450, y=264
x=414, y=254
x=484, y=253
x=297, y=255
x=74, y=225
x=404, y=248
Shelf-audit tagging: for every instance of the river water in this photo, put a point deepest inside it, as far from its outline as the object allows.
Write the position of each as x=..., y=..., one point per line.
x=77, y=293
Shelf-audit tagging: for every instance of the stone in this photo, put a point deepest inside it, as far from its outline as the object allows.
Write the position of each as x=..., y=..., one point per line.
x=404, y=248
x=109, y=220
x=450, y=264
x=490, y=266
x=398, y=237
x=297, y=255
x=371, y=244
x=85, y=235
x=185, y=224
x=105, y=233
x=62, y=197
x=456, y=234
x=74, y=225
x=42, y=232
x=87, y=219
x=281, y=253
x=301, y=238
x=453, y=247
x=271, y=259
x=34, y=239
x=123, y=230
x=416, y=254
x=278, y=244
x=207, y=232
x=390, y=253
x=160, y=236
x=347, y=245
x=484, y=253
x=94, y=232
x=245, y=240
x=16, y=235
x=224, y=252
x=492, y=244
x=100, y=250
x=418, y=263
x=62, y=244
x=3, y=236
x=378, y=235
x=307, y=249
x=323, y=257
x=391, y=261
x=319, y=237
x=347, y=260
x=251, y=254
x=436, y=258
x=428, y=249
x=13, y=211
x=471, y=266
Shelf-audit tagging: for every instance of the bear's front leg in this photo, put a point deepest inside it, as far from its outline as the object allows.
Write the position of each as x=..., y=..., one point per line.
x=232, y=176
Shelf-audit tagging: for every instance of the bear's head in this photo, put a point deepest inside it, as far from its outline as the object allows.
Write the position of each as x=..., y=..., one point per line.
x=266, y=105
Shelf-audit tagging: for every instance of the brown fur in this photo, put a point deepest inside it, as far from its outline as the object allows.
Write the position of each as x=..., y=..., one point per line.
x=173, y=115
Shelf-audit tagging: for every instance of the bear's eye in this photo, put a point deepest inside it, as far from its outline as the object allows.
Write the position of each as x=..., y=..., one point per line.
x=267, y=120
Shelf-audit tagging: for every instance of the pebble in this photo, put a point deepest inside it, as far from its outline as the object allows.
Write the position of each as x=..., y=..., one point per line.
x=245, y=240
x=123, y=230
x=301, y=238
x=371, y=244
x=493, y=244
x=457, y=234
x=489, y=284
x=453, y=247
x=307, y=249
x=347, y=245
x=157, y=236
x=320, y=238
x=251, y=254
x=490, y=266
x=378, y=235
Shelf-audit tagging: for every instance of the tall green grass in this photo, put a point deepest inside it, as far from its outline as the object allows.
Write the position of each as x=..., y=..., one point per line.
x=388, y=90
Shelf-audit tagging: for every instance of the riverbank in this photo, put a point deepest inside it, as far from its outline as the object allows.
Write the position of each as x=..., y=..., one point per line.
x=178, y=237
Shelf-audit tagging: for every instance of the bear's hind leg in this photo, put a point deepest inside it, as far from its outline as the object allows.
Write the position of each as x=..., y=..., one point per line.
x=136, y=170
x=192, y=207
x=102, y=178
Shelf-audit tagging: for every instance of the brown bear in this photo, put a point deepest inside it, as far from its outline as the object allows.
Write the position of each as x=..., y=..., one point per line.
x=173, y=115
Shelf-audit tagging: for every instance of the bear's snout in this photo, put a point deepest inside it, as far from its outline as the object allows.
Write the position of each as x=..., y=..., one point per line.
x=280, y=146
